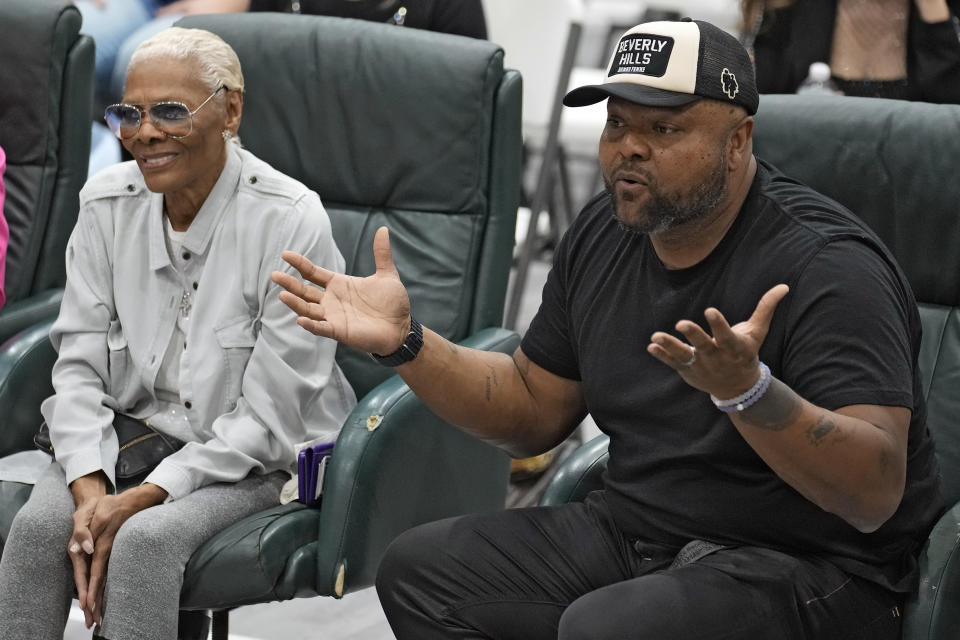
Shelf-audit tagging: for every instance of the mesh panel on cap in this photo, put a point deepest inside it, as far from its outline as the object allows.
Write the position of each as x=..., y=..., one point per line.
x=718, y=51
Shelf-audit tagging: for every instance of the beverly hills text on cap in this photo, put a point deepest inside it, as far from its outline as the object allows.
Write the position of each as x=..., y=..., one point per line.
x=636, y=52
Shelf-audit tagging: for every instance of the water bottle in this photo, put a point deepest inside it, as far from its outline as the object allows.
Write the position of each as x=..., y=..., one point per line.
x=818, y=81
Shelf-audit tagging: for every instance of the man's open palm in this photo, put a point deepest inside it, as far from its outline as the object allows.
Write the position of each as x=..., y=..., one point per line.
x=370, y=314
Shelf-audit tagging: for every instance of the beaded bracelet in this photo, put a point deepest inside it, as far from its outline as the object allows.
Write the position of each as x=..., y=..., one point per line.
x=747, y=398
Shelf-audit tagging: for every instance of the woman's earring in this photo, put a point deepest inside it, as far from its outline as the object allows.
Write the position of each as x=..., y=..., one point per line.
x=226, y=135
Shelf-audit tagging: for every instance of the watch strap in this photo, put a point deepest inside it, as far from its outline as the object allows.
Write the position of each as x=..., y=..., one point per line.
x=407, y=351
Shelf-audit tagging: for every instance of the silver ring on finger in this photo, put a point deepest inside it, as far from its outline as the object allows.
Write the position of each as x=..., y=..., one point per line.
x=693, y=358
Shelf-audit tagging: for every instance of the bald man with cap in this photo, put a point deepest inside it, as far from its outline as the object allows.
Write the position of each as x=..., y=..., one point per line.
x=747, y=344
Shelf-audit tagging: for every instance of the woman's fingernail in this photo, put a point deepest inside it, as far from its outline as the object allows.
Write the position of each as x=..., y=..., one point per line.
x=88, y=546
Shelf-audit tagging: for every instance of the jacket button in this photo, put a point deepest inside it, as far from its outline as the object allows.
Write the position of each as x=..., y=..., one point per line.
x=188, y=404
x=253, y=179
x=130, y=187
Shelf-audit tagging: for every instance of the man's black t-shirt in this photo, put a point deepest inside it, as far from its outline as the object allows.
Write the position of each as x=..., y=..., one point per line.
x=847, y=333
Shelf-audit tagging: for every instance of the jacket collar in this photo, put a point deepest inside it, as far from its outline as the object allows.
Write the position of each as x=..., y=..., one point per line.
x=200, y=234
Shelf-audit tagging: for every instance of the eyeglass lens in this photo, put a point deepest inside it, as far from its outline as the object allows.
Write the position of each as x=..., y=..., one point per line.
x=171, y=118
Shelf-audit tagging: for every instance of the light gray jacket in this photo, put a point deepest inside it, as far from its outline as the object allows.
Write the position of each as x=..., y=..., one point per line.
x=253, y=383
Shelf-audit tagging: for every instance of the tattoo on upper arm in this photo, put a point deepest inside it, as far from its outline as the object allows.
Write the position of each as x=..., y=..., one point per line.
x=777, y=410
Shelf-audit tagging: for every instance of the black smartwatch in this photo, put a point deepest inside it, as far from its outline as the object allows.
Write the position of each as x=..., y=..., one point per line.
x=407, y=351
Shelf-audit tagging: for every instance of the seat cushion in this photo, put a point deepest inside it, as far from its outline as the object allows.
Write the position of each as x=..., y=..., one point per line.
x=247, y=562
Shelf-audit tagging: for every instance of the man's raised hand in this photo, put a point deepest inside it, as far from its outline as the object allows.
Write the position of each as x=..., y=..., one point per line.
x=370, y=314
x=723, y=364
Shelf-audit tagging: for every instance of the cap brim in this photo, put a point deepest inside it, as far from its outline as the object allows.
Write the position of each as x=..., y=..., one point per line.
x=638, y=93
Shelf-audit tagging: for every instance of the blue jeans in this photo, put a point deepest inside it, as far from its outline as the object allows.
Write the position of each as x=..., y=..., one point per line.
x=110, y=26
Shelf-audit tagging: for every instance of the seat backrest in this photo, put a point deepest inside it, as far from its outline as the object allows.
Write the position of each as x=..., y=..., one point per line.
x=415, y=130
x=46, y=101
x=893, y=163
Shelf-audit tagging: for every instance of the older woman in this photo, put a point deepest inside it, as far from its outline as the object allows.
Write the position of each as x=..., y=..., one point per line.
x=170, y=316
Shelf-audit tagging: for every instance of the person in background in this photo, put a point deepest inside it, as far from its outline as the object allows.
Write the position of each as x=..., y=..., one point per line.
x=119, y=26
x=904, y=49
x=770, y=474
x=4, y=229
x=459, y=17
x=169, y=316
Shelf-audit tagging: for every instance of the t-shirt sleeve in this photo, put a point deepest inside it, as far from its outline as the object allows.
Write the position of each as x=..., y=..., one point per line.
x=547, y=341
x=852, y=328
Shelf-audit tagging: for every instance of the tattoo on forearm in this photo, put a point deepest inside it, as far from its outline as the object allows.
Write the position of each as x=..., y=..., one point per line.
x=453, y=348
x=826, y=426
x=491, y=382
x=776, y=410
x=823, y=427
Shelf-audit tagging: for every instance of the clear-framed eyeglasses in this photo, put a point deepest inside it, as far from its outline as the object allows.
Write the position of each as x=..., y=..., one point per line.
x=173, y=119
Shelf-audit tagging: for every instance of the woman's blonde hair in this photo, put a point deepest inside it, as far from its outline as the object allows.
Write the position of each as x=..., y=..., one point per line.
x=216, y=60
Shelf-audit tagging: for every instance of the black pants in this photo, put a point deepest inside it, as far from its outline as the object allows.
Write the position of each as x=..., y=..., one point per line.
x=566, y=572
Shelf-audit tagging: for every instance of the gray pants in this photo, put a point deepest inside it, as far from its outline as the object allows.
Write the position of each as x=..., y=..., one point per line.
x=145, y=572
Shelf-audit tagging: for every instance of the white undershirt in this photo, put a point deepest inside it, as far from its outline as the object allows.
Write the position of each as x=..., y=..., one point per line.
x=172, y=417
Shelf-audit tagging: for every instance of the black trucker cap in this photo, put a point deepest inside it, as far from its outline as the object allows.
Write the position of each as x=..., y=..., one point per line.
x=672, y=63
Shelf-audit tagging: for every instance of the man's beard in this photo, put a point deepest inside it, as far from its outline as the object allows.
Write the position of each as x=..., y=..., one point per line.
x=668, y=211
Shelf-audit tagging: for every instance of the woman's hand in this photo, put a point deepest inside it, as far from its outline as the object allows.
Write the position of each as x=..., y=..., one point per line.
x=87, y=491
x=370, y=314
x=96, y=522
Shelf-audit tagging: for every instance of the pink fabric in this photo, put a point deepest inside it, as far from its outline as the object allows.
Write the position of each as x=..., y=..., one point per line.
x=4, y=229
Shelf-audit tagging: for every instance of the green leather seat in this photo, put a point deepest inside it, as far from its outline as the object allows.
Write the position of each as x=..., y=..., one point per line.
x=418, y=131
x=892, y=163
x=46, y=72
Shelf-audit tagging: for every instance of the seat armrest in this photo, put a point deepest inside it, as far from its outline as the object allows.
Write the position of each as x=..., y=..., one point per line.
x=580, y=473
x=933, y=613
x=22, y=314
x=396, y=465
x=26, y=362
